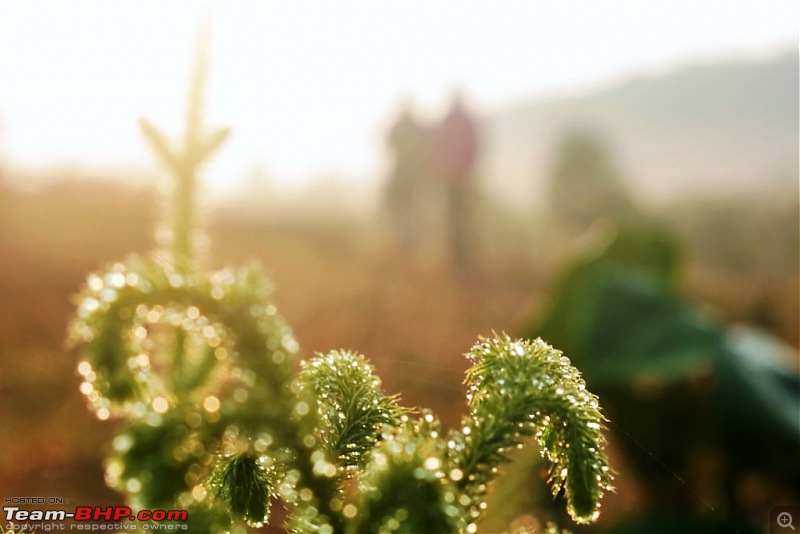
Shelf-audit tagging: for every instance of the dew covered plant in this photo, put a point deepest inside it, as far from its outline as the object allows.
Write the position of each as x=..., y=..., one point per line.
x=219, y=418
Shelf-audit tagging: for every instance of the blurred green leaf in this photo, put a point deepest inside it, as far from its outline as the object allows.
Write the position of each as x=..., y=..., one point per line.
x=614, y=311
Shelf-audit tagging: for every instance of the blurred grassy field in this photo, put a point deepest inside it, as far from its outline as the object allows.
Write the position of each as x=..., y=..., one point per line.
x=338, y=283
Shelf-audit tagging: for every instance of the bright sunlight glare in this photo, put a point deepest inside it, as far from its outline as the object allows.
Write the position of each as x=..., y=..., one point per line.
x=309, y=87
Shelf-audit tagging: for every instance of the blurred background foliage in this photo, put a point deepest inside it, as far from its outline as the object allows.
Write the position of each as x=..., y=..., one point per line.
x=684, y=393
x=650, y=230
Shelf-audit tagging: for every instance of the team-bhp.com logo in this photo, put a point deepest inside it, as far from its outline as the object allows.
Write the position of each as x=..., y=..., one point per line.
x=96, y=518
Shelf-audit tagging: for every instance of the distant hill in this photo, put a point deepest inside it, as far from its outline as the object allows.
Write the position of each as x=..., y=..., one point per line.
x=717, y=128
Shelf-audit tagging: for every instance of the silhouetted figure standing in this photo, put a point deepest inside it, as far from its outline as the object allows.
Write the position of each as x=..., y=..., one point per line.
x=456, y=150
x=410, y=142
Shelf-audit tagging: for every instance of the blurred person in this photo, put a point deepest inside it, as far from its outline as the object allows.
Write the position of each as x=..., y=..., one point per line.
x=409, y=140
x=456, y=147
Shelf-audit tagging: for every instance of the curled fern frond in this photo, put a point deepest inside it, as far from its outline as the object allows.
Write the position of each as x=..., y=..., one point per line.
x=186, y=358
x=123, y=314
x=351, y=407
x=245, y=483
x=520, y=388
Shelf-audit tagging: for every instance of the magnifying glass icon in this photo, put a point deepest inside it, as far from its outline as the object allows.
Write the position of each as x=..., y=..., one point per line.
x=785, y=520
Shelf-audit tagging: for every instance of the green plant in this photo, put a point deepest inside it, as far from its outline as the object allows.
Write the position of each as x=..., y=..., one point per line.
x=585, y=183
x=201, y=368
x=660, y=362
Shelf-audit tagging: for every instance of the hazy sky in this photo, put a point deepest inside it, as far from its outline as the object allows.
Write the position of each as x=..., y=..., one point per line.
x=309, y=86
